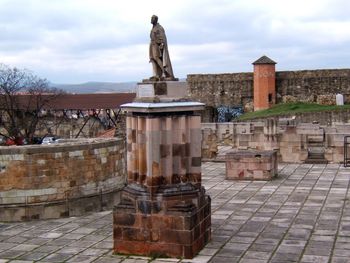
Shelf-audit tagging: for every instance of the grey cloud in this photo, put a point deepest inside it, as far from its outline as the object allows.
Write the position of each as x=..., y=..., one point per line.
x=197, y=33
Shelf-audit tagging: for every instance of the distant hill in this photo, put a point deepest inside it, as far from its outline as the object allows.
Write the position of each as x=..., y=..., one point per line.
x=97, y=87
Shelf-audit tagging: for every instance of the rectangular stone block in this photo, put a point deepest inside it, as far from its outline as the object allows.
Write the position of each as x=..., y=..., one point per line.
x=176, y=229
x=161, y=89
x=251, y=165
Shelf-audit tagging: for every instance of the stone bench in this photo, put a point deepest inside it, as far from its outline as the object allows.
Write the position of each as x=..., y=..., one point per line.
x=251, y=165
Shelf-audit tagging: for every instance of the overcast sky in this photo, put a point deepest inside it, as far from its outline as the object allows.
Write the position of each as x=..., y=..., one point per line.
x=74, y=41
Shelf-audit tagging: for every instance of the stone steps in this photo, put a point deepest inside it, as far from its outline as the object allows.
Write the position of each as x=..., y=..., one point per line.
x=316, y=161
x=316, y=158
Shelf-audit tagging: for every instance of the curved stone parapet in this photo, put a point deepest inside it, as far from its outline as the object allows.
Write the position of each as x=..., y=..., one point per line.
x=69, y=178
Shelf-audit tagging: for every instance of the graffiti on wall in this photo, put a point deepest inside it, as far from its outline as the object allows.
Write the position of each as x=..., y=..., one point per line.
x=226, y=114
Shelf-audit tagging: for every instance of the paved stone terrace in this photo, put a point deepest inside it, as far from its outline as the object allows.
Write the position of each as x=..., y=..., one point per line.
x=302, y=216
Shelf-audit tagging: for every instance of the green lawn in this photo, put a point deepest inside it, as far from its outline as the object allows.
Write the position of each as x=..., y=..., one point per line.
x=290, y=109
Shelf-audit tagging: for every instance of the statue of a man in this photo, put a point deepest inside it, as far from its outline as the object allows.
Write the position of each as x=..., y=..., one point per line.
x=159, y=53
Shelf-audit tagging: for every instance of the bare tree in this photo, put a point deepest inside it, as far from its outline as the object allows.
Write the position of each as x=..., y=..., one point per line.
x=23, y=97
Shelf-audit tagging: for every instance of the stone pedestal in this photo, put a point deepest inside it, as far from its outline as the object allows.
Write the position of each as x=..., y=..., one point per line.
x=251, y=165
x=161, y=90
x=164, y=210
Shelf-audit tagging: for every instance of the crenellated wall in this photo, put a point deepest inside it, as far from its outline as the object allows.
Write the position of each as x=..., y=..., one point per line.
x=221, y=89
x=234, y=89
x=305, y=83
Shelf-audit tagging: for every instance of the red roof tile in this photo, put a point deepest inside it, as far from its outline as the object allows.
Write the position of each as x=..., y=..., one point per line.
x=84, y=101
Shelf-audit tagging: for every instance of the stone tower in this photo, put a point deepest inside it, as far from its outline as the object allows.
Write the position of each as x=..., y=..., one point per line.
x=264, y=83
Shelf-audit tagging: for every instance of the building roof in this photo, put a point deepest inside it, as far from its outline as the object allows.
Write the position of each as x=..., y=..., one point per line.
x=78, y=101
x=264, y=60
x=107, y=134
x=92, y=101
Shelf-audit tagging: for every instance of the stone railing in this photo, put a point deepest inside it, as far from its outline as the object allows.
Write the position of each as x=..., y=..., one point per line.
x=62, y=179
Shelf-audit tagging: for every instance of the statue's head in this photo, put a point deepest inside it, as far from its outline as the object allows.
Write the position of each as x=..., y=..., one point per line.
x=154, y=19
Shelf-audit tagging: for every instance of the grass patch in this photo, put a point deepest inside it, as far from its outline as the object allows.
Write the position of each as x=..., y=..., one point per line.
x=291, y=109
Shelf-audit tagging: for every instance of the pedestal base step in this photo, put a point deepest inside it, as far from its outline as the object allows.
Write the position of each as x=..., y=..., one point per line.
x=180, y=231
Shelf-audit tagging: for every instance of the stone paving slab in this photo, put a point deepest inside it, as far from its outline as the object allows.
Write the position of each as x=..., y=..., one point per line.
x=301, y=216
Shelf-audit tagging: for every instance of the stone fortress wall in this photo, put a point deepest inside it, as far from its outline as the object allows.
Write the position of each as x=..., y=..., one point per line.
x=63, y=179
x=236, y=89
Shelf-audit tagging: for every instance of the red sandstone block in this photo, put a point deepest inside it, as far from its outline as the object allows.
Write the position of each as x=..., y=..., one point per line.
x=131, y=247
x=132, y=219
x=254, y=166
x=198, y=244
x=204, y=226
x=152, y=124
x=161, y=222
x=196, y=232
x=181, y=123
x=207, y=224
x=258, y=174
x=169, y=222
x=152, y=249
x=155, y=235
x=117, y=233
x=188, y=252
x=168, y=232
x=141, y=124
x=137, y=234
x=168, y=124
x=158, y=249
x=123, y=219
x=190, y=222
x=176, y=236
x=237, y=165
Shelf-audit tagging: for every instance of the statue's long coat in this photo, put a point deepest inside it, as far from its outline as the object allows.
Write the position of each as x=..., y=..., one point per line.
x=158, y=39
